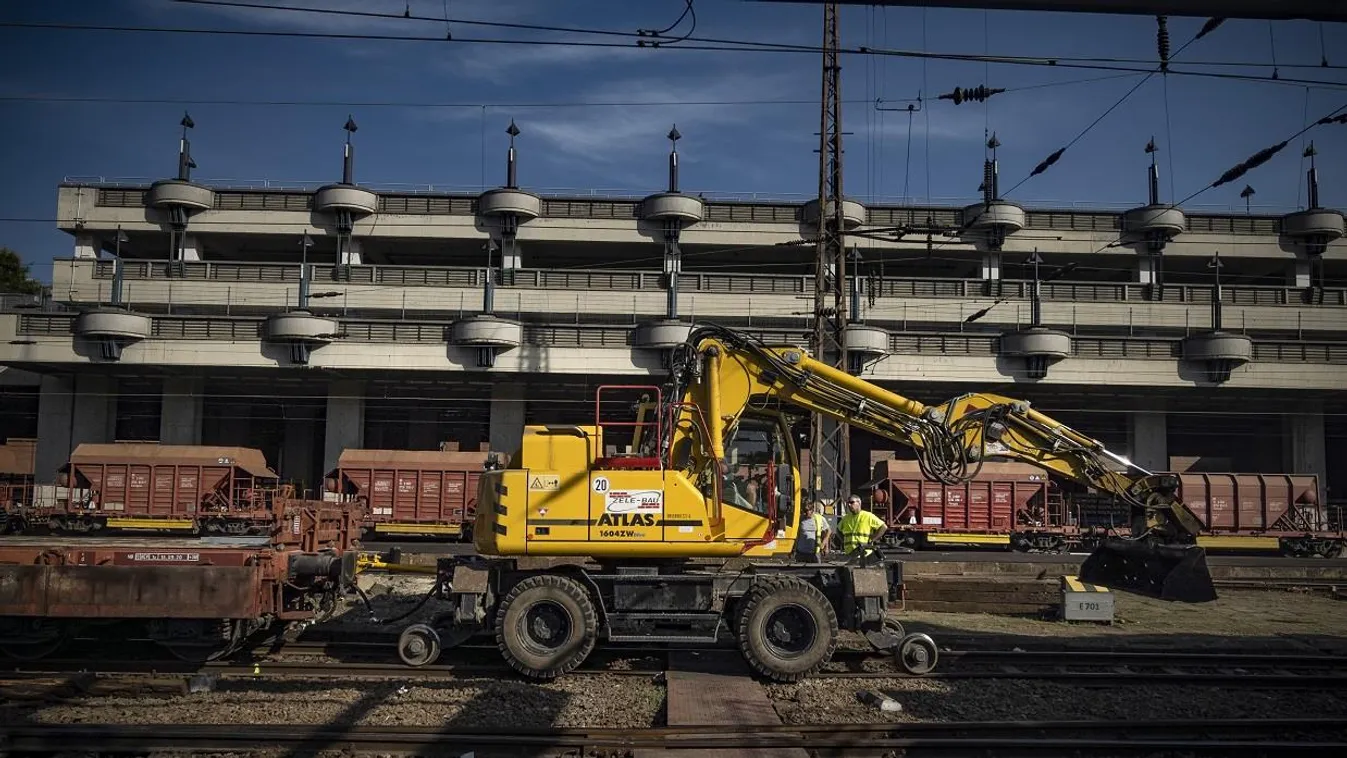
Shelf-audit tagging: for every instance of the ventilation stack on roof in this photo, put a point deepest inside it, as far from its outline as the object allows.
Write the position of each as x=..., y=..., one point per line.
x=1218, y=351
x=1156, y=223
x=180, y=197
x=673, y=211
x=993, y=217
x=115, y=326
x=346, y=201
x=112, y=329
x=1314, y=227
x=488, y=334
x=1038, y=346
x=303, y=331
x=509, y=207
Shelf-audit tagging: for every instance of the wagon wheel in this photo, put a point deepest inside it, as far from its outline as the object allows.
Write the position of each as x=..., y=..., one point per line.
x=41, y=641
x=204, y=649
x=33, y=650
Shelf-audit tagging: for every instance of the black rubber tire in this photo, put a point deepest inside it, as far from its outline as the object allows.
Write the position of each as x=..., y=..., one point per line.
x=563, y=593
x=768, y=595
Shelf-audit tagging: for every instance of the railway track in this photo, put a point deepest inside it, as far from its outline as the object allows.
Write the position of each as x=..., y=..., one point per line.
x=1104, y=668
x=1204, y=737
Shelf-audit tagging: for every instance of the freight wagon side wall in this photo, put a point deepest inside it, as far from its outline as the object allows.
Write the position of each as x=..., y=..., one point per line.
x=164, y=490
x=978, y=506
x=420, y=496
x=1253, y=502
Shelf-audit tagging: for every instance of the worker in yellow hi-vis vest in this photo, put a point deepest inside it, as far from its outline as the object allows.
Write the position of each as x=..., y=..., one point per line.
x=859, y=528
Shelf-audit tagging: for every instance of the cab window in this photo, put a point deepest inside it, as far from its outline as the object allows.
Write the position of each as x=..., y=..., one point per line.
x=756, y=444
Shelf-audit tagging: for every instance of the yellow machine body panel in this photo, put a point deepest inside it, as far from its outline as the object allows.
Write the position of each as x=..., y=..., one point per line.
x=557, y=499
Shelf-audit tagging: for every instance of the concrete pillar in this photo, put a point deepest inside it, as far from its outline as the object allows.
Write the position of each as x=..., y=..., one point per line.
x=86, y=246
x=71, y=411
x=191, y=249
x=297, y=449
x=56, y=405
x=345, y=421
x=353, y=255
x=1306, y=447
x=180, y=411
x=1149, y=270
x=506, y=431
x=1148, y=438
x=991, y=266
x=1298, y=274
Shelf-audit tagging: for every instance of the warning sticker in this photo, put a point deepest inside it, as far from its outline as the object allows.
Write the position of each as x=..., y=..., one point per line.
x=544, y=482
x=634, y=501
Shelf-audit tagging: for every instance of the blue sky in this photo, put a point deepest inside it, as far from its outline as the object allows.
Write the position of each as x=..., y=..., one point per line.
x=766, y=148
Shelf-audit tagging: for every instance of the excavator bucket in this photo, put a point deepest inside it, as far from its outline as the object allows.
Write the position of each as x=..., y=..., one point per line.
x=1168, y=572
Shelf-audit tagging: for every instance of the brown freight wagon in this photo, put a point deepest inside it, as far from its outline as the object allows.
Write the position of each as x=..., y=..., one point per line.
x=1007, y=503
x=411, y=492
x=1261, y=512
x=190, y=488
x=17, y=458
x=198, y=598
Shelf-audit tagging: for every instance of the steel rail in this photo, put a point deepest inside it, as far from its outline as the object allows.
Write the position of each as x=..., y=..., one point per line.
x=1193, y=736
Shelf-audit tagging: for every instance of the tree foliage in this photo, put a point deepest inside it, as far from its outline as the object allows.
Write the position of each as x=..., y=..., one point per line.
x=14, y=275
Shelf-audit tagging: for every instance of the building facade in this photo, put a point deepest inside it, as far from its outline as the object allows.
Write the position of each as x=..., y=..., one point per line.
x=303, y=320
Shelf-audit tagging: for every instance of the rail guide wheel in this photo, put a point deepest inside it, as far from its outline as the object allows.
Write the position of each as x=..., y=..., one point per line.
x=418, y=645
x=546, y=626
x=918, y=654
x=787, y=629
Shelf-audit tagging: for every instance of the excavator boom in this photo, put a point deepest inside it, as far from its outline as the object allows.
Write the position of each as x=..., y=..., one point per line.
x=727, y=372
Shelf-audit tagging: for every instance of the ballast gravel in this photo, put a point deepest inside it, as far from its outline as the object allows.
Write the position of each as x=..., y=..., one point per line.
x=576, y=701
x=835, y=701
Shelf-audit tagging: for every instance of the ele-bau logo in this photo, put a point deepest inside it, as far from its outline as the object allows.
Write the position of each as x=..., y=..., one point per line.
x=632, y=507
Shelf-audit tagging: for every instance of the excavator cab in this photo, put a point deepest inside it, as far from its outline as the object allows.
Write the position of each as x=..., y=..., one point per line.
x=1146, y=567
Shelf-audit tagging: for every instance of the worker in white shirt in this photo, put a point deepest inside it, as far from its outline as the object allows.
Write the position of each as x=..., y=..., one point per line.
x=814, y=533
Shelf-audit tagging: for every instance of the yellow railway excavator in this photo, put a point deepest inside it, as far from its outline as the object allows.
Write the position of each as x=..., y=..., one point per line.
x=687, y=539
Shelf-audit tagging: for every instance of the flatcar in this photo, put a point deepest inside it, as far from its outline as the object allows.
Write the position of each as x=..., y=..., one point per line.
x=1016, y=506
x=411, y=493
x=197, y=598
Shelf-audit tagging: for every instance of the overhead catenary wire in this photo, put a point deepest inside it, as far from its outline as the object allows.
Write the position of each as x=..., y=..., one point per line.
x=765, y=44
x=1162, y=36
x=736, y=46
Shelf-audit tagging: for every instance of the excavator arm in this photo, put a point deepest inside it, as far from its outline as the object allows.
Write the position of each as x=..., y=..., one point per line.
x=726, y=373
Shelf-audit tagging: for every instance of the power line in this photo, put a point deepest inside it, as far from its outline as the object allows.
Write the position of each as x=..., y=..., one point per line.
x=740, y=46
x=983, y=57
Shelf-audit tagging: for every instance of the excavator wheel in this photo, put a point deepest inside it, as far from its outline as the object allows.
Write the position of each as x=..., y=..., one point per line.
x=546, y=626
x=787, y=629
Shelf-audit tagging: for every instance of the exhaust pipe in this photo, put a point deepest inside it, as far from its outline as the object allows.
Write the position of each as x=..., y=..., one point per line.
x=1168, y=572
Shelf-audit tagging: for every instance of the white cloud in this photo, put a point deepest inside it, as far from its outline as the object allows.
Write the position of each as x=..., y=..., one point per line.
x=610, y=134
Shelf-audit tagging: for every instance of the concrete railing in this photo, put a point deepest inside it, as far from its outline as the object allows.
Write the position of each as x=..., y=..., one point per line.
x=583, y=280
x=243, y=329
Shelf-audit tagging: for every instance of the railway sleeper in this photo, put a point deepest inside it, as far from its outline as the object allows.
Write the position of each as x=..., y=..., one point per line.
x=783, y=618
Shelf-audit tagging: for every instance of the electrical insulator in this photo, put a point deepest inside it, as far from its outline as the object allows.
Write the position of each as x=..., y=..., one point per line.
x=1162, y=41
x=978, y=94
x=1338, y=119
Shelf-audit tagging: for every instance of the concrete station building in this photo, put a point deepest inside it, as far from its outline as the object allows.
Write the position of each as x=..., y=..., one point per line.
x=196, y=313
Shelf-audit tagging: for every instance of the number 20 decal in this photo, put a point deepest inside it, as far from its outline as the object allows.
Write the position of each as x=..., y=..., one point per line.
x=600, y=484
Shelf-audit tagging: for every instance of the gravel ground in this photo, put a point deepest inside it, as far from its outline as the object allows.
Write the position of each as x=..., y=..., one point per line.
x=1276, y=618
x=576, y=701
x=834, y=701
